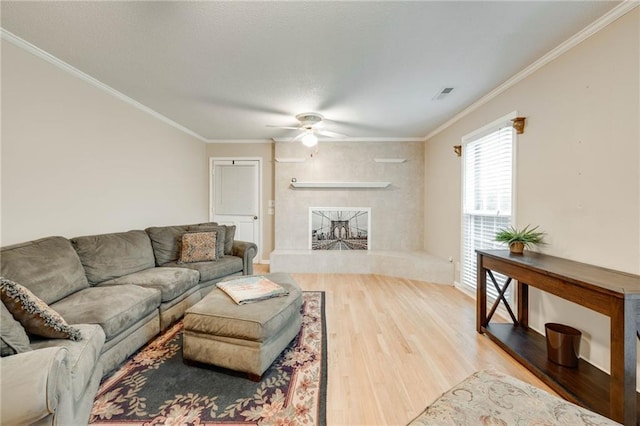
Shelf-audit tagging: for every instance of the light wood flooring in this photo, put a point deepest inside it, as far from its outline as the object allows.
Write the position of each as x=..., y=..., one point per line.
x=394, y=345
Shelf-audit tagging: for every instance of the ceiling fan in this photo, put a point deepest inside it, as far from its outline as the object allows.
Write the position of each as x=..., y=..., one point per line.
x=310, y=124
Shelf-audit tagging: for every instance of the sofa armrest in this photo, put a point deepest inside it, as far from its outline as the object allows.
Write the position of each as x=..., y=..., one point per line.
x=33, y=384
x=247, y=251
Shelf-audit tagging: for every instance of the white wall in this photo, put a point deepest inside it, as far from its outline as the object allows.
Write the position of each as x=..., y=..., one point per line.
x=577, y=167
x=76, y=160
x=396, y=212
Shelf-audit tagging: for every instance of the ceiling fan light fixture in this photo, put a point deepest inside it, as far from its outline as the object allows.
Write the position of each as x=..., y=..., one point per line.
x=309, y=139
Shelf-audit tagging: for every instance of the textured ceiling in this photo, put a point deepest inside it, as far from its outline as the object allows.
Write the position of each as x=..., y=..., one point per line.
x=226, y=70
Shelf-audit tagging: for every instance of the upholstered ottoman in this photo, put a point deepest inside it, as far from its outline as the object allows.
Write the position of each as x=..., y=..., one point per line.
x=488, y=397
x=245, y=337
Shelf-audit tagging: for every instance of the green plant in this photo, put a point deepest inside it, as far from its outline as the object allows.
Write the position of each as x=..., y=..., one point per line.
x=527, y=236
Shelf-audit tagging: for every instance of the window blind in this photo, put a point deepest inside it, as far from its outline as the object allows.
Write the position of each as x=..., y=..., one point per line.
x=487, y=198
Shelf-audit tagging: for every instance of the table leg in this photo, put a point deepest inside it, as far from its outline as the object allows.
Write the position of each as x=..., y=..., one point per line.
x=623, y=399
x=523, y=304
x=481, y=295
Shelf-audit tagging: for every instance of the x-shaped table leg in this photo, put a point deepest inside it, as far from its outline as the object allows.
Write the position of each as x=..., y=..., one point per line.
x=501, y=292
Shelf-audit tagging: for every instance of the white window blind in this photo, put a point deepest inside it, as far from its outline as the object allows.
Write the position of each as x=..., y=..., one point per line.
x=487, y=198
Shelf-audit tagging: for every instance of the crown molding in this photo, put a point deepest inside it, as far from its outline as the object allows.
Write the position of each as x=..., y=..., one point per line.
x=36, y=51
x=617, y=12
x=355, y=139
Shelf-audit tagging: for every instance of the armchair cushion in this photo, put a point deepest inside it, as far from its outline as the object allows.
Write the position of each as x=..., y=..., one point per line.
x=36, y=317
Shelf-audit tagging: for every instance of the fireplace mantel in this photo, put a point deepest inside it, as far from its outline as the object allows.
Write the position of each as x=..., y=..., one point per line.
x=302, y=185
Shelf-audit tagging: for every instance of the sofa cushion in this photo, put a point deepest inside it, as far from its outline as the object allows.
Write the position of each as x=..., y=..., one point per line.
x=34, y=315
x=49, y=267
x=165, y=242
x=14, y=339
x=172, y=282
x=82, y=356
x=212, y=270
x=114, y=308
x=109, y=256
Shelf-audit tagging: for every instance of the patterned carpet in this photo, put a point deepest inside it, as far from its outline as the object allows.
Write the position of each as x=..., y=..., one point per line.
x=156, y=387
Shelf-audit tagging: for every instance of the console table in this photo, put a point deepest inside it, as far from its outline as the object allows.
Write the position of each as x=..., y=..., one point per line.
x=611, y=293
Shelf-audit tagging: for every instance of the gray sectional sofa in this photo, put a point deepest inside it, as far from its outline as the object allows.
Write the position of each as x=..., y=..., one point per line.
x=120, y=290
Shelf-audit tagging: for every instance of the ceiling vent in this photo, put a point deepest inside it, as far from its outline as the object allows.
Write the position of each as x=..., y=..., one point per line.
x=443, y=93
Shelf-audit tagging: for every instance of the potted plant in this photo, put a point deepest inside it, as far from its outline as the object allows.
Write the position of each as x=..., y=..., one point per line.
x=518, y=239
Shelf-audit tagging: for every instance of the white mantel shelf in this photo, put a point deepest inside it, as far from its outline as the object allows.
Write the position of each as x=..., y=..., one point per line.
x=301, y=185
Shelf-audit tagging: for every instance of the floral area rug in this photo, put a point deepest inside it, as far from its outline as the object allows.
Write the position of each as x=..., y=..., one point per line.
x=156, y=387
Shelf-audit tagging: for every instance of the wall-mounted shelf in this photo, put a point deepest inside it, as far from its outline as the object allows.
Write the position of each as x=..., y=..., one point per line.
x=389, y=160
x=291, y=160
x=340, y=184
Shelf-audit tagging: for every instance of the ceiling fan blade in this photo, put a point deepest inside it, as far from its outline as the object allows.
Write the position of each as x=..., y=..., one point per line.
x=330, y=134
x=297, y=138
x=283, y=127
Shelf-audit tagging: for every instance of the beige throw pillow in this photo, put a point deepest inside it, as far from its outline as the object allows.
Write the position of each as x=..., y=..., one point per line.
x=198, y=247
x=220, y=235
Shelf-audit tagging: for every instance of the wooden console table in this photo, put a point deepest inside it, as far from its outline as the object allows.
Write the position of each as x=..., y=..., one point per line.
x=611, y=293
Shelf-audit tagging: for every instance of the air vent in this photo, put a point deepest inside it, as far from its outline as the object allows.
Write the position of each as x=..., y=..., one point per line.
x=443, y=93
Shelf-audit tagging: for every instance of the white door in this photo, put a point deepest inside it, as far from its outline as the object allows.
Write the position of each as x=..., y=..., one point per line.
x=235, y=197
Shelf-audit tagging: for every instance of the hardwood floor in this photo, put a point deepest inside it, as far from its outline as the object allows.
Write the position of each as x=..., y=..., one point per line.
x=394, y=345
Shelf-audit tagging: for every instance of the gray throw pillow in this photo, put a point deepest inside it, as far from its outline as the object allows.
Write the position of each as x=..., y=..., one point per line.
x=228, y=239
x=14, y=338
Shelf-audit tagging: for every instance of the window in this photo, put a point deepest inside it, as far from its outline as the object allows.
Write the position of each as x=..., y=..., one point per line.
x=487, y=193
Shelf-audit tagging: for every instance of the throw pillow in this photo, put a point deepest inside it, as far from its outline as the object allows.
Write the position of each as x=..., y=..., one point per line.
x=35, y=315
x=228, y=239
x=198, y=247
x=14, y=339
x=220, y=236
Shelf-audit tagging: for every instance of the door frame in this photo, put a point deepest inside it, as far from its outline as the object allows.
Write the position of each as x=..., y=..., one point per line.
x=260, y=209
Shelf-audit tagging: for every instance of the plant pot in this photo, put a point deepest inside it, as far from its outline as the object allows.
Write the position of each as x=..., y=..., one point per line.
x=563, y=344
x=516, y=248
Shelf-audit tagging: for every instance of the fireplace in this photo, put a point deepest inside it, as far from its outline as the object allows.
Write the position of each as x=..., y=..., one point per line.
x=339, y=228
